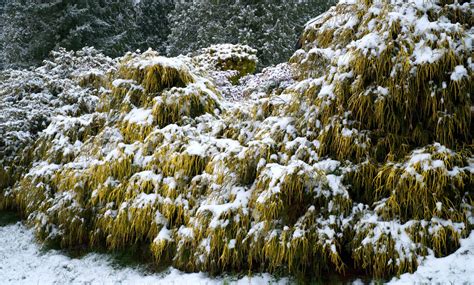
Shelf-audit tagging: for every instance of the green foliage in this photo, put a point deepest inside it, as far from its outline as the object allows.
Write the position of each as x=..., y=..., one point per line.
x=32, y=28
x=271, y=27
x=153, y=23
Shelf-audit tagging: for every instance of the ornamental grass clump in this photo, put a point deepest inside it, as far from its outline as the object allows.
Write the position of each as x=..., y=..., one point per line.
x=240, y=59
x=395, y=101
x=428, y=184
x=155, y=73
x=176, y=104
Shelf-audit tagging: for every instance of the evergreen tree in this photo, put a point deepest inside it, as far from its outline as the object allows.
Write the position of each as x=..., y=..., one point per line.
x=2, y=44
x=184, y=38
x=30, y=30
x=152, y=20
x=270, y=26
x=108, y=25
x=35, y=27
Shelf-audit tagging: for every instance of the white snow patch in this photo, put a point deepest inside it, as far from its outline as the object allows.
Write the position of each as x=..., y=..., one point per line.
x=455, y=268
x=425, y=54
x=140, y=116
x=459, y=73
x=195, y=148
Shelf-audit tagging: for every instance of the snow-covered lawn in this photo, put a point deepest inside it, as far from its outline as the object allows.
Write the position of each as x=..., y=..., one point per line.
x=23, y=262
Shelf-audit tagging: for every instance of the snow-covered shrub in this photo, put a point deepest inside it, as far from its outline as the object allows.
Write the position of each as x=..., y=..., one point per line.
x=226, y=57
x=29, y=99
x=389, y=84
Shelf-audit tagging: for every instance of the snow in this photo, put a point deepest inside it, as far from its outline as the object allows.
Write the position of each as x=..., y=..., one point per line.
x=140, y=116
x=327, y=165
x=371, y=44
x=459, y=73
x=164, y=234
x=43, y=168
x=152, y=58
x=336, y=185
x=344, y=60
x=455, y=268
x=118, y=82
x=222, y=52
x=347, y=133
x=382, y=91
x=327, y=91
x=186, y=232
x=298, y=233
x=143, y=200
x=232, y=243
x=148, y=175
x=423, y=25
x=23, y=261
x=425, y=54
x=195, y=148
x=241, y=200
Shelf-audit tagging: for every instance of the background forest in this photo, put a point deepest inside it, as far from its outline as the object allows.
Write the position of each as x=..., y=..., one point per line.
x=30, y=29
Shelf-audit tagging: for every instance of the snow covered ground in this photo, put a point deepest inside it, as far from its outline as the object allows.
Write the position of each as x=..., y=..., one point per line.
x=457, y=268
x=23, y=262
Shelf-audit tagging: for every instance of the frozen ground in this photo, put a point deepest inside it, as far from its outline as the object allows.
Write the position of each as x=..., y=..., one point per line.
x=23, y=262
